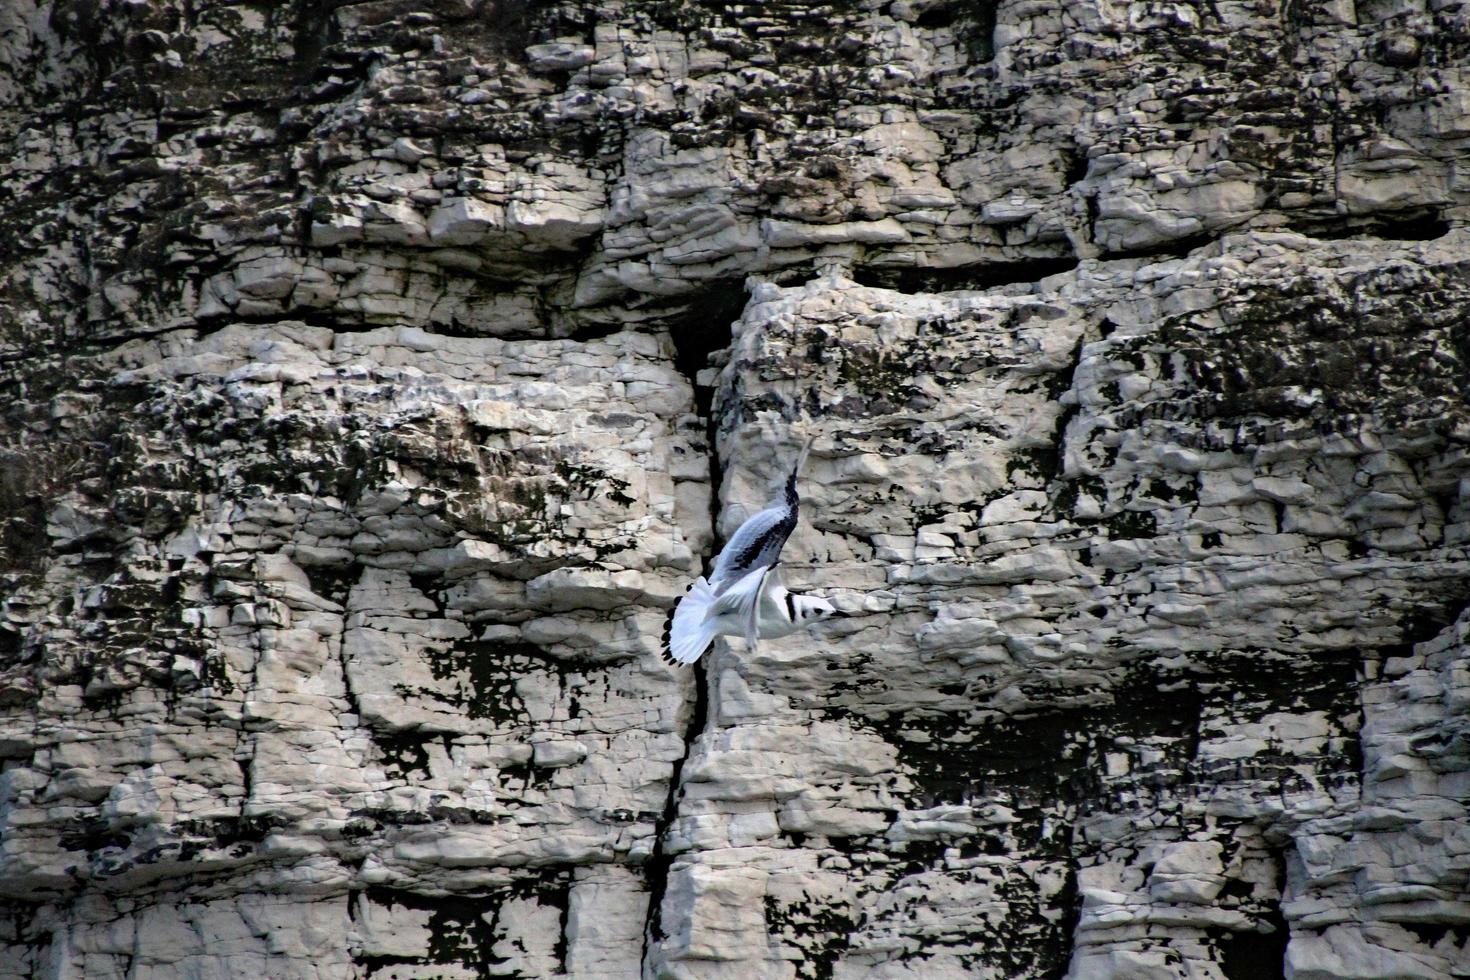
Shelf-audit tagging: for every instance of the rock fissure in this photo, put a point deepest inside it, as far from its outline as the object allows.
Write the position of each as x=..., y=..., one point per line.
x=696, y=339
x=660, y=862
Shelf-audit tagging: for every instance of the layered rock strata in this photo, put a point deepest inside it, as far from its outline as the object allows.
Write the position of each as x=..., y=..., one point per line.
x=377, y=375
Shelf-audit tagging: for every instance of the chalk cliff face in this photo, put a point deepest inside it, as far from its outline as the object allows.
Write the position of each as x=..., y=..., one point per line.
x=377, y=374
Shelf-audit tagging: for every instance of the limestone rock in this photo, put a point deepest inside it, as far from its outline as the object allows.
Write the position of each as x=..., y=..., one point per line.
x=378, y=374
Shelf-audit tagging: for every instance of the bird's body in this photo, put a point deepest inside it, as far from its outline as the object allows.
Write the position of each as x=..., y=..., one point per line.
x=700, y=617
x=743, y=596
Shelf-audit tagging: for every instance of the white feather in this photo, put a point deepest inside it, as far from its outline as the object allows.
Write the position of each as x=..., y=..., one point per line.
x=759, y=600
x=692, y=629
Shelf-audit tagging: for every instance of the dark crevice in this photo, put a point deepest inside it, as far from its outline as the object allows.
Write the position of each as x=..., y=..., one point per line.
x=1094, y=214
x=1260, y=955
x=1176, y=249
x=699, y=332
x=594, y=331
x=659, y=864
x=1048, y=460
x=207, y=325
x=935, y=17
x=454, y=328
x=333, y=321
x=1424, y=623
x=987, y=275
x=698, y=322
x=974, y=26
x=1413, y=226
x=701, y=328
x=1076, y=166
x=315, y=29
x=1069, y=899
x=247, y=779
x=1422, y=225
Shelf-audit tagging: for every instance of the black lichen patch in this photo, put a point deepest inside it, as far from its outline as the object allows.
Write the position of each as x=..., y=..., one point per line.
x=1131, y=524
x=465, y=931
x=585, y=482
x=1433, y=933
x=485, y=674
x=117, y=847
x=1057, y=765
x=821, y=932
x=1390, y=342
x=876, y=381
x=514, y=499
x=23, y=504
x=407, y=752
x=333, y=581
x=92, y=834
x=227, y=831
x=882, y=379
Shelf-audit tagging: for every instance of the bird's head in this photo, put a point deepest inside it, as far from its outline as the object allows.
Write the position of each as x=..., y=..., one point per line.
x=810, y=609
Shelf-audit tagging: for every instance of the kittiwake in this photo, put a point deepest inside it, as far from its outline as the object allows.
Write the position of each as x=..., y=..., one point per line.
x=742, y=596
x=701, y=616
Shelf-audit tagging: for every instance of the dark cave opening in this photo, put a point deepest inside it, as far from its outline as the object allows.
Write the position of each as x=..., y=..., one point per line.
x=1260, y=955
x=701, y=328
x=1418, y=225
x=987, y=275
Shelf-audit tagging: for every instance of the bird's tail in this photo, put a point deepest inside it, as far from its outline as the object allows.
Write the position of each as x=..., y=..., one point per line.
x=689, y=632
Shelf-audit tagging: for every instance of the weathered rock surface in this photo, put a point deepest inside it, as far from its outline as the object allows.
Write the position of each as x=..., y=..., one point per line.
x=377, y=374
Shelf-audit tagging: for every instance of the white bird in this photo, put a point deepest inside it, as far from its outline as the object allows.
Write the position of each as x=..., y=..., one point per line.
x=701, y=616
x=741, y=596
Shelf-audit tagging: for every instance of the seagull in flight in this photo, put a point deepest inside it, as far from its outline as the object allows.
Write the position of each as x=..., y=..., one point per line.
x=700, y=616
x=744, y=594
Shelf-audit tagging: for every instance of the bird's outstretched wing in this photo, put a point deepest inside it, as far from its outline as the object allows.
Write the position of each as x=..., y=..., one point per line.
x=736, y=599
x=742, y=602
x=732, y=594
x=756, y=544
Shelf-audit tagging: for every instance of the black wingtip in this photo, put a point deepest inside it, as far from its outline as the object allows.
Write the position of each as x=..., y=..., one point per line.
x=664, y=640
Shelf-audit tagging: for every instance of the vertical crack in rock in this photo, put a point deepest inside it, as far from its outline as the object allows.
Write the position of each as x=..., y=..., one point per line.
x=1261, y=955
x=249, y=740
x=661, y=861
x=697, y=334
